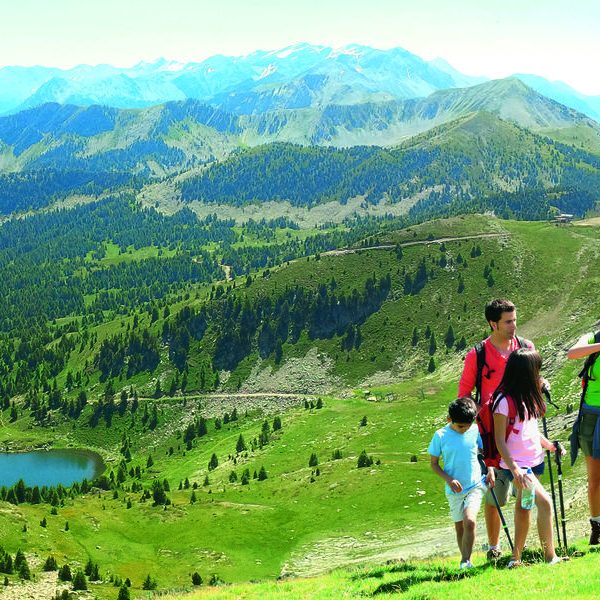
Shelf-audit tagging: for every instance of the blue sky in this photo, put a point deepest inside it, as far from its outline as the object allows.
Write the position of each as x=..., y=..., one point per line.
x=557, y=39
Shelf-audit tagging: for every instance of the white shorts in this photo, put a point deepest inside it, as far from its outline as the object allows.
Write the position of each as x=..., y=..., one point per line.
x=460, y=502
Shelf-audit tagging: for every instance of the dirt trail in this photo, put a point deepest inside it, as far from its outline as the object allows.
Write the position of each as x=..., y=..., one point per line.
x=413, y=543
x=415, y=243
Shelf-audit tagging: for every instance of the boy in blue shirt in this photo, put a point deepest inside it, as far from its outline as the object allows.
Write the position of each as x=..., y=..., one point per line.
x=457, y=444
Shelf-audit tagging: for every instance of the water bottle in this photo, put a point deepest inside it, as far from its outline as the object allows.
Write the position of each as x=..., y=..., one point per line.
x=528, y=492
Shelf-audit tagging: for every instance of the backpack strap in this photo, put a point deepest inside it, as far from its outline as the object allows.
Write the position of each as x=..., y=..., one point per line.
x=522, y=342
x=512, y=412
x=480, y=353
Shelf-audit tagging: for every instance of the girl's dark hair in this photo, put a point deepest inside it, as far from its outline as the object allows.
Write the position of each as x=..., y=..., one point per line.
x=521, y=381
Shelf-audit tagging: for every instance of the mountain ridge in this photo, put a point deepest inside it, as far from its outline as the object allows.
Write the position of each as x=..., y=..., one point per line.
x=259, y=81
x=197, y=132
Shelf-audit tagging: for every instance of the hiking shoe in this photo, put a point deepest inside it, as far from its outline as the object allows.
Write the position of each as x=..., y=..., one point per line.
x=595, y=536
x=493, y=554
x=514, y=564
x=466, y=564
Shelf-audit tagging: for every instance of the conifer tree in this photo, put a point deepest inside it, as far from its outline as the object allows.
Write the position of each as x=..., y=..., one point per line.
x=240, y=445
x=213, y=463
x=79, y=581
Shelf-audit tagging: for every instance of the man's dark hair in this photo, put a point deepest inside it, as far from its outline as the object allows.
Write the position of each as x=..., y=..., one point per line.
x=462, y=410
x=495, y=308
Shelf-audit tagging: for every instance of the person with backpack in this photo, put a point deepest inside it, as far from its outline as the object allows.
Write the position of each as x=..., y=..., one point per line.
x=586, y=429
x=518, y=403
x=457, y=444
x=483, y=370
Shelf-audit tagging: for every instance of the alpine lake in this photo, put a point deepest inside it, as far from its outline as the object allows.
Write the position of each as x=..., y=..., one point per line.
x=49, y=467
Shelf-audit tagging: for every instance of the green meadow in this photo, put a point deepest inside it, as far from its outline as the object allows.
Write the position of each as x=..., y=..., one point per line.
x=316, y=509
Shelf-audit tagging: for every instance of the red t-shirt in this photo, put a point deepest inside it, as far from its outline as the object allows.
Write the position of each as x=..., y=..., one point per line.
x=493, y=370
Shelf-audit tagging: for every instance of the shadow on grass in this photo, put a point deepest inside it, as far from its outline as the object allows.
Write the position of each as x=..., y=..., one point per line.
x=416, y=574
x=426, y=574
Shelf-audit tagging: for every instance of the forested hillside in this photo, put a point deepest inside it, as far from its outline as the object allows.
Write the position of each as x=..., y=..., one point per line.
x=474, y=164
x=112, y=292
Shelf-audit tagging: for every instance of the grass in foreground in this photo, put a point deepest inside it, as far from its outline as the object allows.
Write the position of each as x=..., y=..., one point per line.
x=432, y=579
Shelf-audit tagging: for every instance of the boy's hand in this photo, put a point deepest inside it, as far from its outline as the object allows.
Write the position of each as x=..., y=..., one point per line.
x=491, y=477
x=455, y=486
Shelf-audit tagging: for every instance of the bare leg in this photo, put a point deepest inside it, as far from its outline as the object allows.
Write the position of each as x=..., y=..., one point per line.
x=458, y=525
x=593, y=471
x=468, y=537
x=492, y=524
x=544, y=521
x=522, y=523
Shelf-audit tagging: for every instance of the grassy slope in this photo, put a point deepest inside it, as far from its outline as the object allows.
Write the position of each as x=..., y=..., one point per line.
x=426, y=579
x=247, y=532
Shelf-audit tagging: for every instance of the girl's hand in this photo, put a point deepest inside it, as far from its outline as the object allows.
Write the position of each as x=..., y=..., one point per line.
x=490, y=478
x=521, y=479
x=560, y=448
x=455, y=486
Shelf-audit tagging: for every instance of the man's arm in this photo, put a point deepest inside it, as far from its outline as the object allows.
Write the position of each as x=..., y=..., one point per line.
x=466, y=385
x=583, y=348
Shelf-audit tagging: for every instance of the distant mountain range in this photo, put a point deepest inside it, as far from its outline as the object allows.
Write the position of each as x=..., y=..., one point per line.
x=300, y=76
x=176, y=136
x=307, y=125
x=458, y=148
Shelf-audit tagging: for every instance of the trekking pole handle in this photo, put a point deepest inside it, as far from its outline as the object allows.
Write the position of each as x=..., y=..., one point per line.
x=558, y=452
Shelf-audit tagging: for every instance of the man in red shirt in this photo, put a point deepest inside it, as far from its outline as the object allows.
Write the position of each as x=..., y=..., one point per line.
x=502, y=317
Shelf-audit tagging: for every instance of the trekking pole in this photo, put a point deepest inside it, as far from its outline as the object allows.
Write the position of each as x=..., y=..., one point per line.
x=502, y=519
x=549, y=456
x=560, y=492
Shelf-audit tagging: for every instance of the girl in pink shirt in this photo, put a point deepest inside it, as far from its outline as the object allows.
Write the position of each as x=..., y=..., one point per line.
x=524, y=446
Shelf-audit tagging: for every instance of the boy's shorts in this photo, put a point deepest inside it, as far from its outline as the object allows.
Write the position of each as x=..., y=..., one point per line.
x=501, y=488
x=460, y=502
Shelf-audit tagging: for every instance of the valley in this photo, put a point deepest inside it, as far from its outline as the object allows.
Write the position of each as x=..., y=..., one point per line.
x=246, y=288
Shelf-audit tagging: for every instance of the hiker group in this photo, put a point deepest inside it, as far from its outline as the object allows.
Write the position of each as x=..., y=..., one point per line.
x=492, y=442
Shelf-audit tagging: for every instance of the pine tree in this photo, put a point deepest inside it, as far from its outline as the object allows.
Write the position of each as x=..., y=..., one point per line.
x=64, y=573
x=432, y=345
x=262, y=474
x=213, y=464
x=24, y=571
x=124, y=593
x=449, y=339
x=240, y=445
x=415, y=337
x=313, y=461
x=364, y=460
x=149, y=583
x=79, y=581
